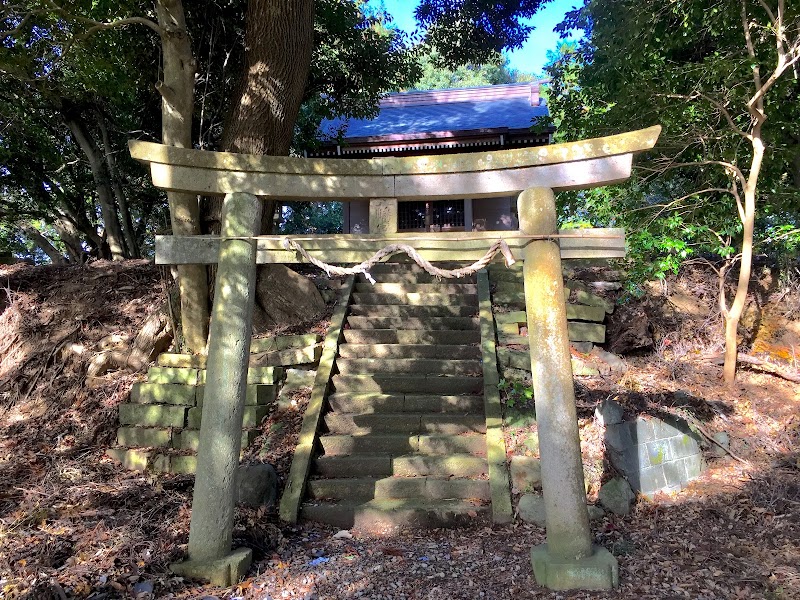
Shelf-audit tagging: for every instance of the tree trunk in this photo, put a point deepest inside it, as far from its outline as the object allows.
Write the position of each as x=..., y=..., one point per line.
x=122, y=200
x=177, y=106
x=278, y=43
x=70, y=236
x=44, y=244
x=279, y=39
x=734, y=313
x=102, y=184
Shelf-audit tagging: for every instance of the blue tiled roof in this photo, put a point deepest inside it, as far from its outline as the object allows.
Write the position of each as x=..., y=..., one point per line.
x=512, y=113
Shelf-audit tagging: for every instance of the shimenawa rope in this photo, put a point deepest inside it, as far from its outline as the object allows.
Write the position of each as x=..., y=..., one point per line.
x=364, y=267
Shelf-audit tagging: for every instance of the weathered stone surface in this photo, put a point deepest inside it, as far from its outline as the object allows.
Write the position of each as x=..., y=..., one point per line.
x=595, y=512
x=614, y=362
x=617, y=496
x=252, y=416
x=152, y=415
x=284, y=297
x=609, y=412
x=283, y=342
x=598, y=571
x=256, y=395
x=137, y=437
x=187, y=361
x=526, y=473
x=257, y=485
x=222, y=572
x=264, y=375
x=531, y=509
x=291, y=356
x=182, y=375
x=163, y=393
x=135, y=460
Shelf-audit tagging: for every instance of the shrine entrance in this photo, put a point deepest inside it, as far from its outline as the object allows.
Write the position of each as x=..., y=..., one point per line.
x=568, y=560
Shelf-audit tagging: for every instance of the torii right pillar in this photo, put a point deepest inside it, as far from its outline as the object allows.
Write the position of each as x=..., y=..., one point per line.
x=568, y=560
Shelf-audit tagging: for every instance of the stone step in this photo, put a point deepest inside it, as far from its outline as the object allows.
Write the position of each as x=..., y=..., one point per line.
x=407, y=276
x=407, y=423
x=412, y=336
x=432, y=323
x=418, y=366
x=454, y=385
x=395, y=403
x=462, y=352
x=406, y=465
x=392, y=488
x=417, y=288
x=399, y=444
x=416, y=299
x=381, y=515
x=401, y=310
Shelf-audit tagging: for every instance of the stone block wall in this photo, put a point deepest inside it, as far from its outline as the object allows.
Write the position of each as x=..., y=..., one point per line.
x=160, y=425
x=653, y=454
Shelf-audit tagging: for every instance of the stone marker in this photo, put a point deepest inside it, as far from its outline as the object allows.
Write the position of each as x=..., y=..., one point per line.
x=617, y=496
x=257, y=485
x=526, y=473
x=531, y=509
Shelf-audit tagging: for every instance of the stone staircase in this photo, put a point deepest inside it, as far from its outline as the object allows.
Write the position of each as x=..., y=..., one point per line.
x=403, y=440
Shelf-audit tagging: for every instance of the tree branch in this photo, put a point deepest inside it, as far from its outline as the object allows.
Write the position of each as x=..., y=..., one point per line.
x=95, y=26
x=719, y=106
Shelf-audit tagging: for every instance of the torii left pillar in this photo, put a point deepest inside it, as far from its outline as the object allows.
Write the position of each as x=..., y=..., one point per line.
x=211, y=530
x=568, y=560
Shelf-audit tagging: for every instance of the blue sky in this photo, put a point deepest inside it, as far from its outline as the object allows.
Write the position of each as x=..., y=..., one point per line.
x=531, y=57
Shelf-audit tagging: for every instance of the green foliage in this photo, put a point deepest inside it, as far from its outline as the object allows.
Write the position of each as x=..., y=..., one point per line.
x=515, y=393
x=678, y=63
x=474, y=31
x=494, y=72
x=311, y=217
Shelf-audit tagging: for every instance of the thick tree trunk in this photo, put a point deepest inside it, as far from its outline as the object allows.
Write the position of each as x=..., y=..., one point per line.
x=278, y=43
x=102, y=183
x=177, y=106
x=71, y=238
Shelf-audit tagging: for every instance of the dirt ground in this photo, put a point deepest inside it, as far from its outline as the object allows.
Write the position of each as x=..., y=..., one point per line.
x=74, y=525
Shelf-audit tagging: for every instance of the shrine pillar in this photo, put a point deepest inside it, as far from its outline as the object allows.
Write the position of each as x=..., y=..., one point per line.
x=568, y=560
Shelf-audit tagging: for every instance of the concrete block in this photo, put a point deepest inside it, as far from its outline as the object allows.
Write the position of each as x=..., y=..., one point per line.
x=264, y=375
x=163, y=393
x=189, y=439
x=222, y=572
x=257, y=395
x=642, y=455
x=253, y=415
x=674, y=473
x=283, y=342
x=659, y=452
x=182, y=375
x=291, y=356
x=609, y=412
x=257, y=485
x=184, y=465
x=642, y=431
x=694, y=466
x=599, y=571
x=684, y=446
x=138, y=437
x=298, y=378
x=652, y=479
x=135, y=460
x=617, y=496
x=187, y=361
x=152, y=415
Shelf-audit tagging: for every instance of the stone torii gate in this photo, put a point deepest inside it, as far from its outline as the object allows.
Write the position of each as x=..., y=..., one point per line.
x=568, y=560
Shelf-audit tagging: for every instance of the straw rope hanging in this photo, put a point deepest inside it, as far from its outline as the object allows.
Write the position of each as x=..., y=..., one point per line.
x=364, y=267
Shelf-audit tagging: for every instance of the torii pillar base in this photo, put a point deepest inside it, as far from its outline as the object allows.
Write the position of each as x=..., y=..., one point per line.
x=568, y=560
x=598, y=571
